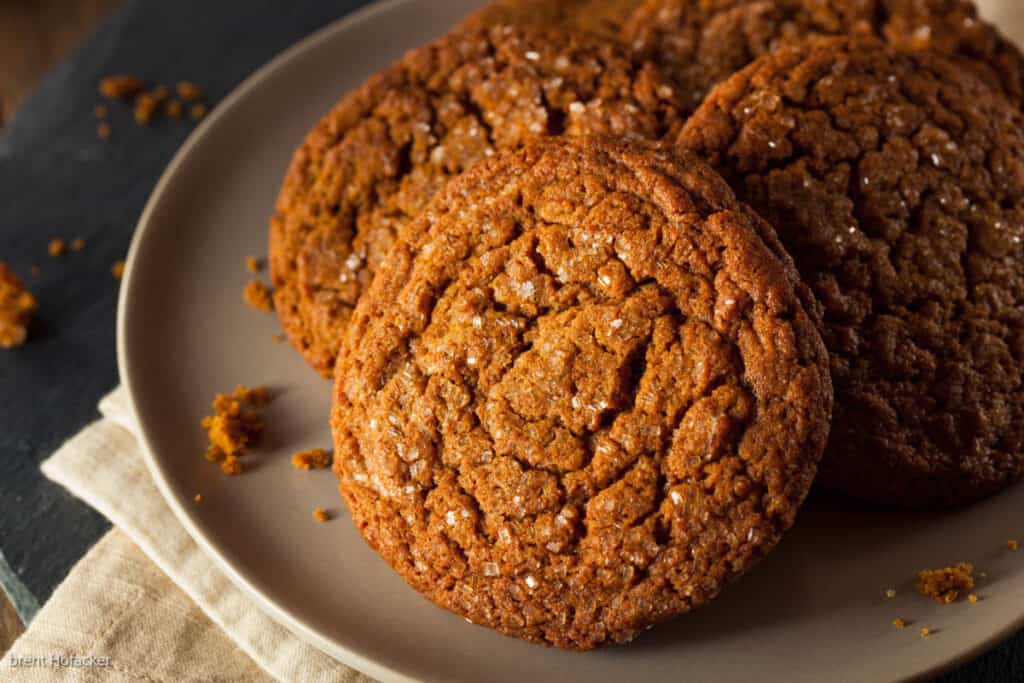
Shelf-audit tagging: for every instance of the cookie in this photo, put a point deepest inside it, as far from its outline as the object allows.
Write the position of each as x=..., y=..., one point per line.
x=604, y=18
x=896, y=181
x=582, y=394
x=374, y=161
x=703, y=42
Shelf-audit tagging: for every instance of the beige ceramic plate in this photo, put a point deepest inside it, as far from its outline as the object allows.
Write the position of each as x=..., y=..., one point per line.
x=815, y=610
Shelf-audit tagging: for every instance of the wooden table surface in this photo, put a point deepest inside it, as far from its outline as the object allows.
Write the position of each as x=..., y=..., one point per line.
x=35, y=35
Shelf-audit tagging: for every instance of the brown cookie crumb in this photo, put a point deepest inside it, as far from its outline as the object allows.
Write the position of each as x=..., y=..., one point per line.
x=1013, y=545
x=77, y=244
x=145, y=108
x=234, y=426
x=232, y=466
x=121, y=87
x=57, y=247
x=197, y=111
x=313, y=459
x=100, y=111
x=253, y=264
x=321, y=515
x=104, y=130
x=925, y=632
x=174, y=109
x=117, y=270
x=945, y=585
x=899, y=623
x=258, y=296
x=16, y=307
x=198, y=498
x=972, y=598
x=189, y=92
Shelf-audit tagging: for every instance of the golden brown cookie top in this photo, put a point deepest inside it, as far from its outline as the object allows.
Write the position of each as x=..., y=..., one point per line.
x=703, y=42
x=381, y=154
x=896, y=181
x=581, y=395
x=604, y=18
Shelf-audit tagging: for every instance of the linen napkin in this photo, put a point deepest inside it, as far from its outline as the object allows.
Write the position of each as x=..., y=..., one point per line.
x=146, y=604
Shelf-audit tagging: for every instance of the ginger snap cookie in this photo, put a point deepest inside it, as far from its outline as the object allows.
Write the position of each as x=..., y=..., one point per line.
x=582, y=393
x=896, y=181
x=374, y=161
x=604, y=18
x=703, y=42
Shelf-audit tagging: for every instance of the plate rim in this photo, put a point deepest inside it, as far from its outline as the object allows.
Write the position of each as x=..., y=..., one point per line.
x=331, y=647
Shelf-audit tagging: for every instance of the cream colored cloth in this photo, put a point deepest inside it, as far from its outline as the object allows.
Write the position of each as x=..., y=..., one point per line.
x=146, y=596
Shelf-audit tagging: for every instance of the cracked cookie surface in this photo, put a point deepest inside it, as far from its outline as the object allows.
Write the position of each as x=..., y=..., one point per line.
x=896, y=181
x=703, y=42
x=581, y=395
x=604, y=18
x=374, y=161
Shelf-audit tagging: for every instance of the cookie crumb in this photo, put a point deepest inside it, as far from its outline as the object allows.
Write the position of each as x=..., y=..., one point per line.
x=313, y=459
x=972, y=598
x=232, y=466
x=321, y=515
x=173, y=109
x=100, y=111
x=258, y=296
x=57, y=247
x=117, y=270
x=189, y=92
x=16, y=308
x=197, y=111
x=121, y=86
x=925, y=632
x=279, y=338
x=945, y=585
x=899, y=622
x=77, y=244
x=1013, y=545
x=145, y=108
x=234, y=426
x=198, y=498
x=253, y=264
x=890, y=593
x=104, y=130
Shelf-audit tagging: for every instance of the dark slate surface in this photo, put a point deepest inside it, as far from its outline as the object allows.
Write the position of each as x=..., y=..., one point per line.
x=58, y=179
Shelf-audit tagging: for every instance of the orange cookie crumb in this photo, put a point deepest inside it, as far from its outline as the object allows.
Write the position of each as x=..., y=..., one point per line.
x=197, y=111
x=57, y=247
x=925, y=632
x=121, y=86
x=253, y=264
x=321, y=515
x=234, y=426
x=945, y=585
x=232, y=466
x=189, y=92
x=145, y=108
x=77, y=244
x=258, y=296
x=198, y=498
x=314, y=459
x=117, y=270
x=972, y=597
x=173, y=109
x=899, y=623
x=16, y=307
x=1013, y=545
